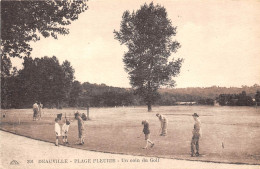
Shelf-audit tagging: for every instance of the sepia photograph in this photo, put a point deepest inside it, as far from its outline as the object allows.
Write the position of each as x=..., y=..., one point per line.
x=130, y=84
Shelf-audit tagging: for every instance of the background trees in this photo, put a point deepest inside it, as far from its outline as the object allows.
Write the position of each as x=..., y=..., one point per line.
x=257, y=97
x=26, y=21
x=75, y=92
x=68, y=74
x=20, y=93
x=241, y=99
x=41, y=79
x=148, y=35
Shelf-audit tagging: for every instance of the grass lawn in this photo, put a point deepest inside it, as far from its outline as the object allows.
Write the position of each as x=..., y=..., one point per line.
x=116, y=130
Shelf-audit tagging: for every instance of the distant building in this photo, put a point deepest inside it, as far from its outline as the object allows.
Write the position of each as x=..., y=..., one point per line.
x=186, y=103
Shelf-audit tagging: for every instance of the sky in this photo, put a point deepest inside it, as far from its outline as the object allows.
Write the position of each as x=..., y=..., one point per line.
x=219, y=42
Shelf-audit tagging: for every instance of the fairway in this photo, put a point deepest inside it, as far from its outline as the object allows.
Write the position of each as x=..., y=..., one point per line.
x=116, y=130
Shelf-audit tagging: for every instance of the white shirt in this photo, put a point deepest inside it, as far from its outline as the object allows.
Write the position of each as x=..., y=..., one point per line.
x=65, y=129
x=57, y=129
x=35, y=106
x=163, y=119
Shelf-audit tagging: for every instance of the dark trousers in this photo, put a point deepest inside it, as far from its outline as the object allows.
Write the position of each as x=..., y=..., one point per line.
x=195, y=144
x=35, y=113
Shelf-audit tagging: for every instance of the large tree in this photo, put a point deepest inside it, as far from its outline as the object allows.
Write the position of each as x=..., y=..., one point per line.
x=26, y=21
x=68, y=72
x=42, y=79
x=148, y=34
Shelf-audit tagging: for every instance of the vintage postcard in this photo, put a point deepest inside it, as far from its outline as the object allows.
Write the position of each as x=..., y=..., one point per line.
x=130, y=84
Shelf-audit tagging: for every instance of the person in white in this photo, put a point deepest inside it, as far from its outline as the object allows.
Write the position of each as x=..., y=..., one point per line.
x=57, y=131
x=40, y=110
x=64, y=131
x=35, y=111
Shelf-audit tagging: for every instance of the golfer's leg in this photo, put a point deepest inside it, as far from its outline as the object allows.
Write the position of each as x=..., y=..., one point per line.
x=164, y=130
x=82, y=136
x=66, y=138
x=161, y=128
x=152, y=144
x=146, y=140
x=57, y=141
x=149, y=141
x=34, y=114
x=79, y=137
x=192, y=146
x=197, y=145
x=146, y=143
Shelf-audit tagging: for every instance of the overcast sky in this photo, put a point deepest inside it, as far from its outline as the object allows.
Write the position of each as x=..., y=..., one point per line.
x=220, y=42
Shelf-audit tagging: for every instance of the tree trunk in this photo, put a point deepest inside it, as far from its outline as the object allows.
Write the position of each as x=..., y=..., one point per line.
x=59, y=106
x=149, y=105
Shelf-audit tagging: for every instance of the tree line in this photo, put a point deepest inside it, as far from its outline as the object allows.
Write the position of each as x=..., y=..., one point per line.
x=52, y=83
x=241, y=99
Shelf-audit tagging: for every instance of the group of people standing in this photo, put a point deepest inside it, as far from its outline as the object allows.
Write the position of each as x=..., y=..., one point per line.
x=63, y=132
x=146, y=129
x=65, y=129
x=37, y=111
x=196, y=132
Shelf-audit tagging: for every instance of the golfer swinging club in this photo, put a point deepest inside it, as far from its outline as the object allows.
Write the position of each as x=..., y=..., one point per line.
x=164, y=123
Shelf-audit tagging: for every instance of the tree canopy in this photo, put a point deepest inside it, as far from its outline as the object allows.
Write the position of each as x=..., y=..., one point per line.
x=148, y=34
x=41, y=79
x=25, y=21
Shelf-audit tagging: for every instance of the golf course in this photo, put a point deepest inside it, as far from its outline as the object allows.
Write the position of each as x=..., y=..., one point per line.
x=229, y=134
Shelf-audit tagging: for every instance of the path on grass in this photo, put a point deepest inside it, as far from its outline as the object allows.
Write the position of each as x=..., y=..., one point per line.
x=18, y=152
